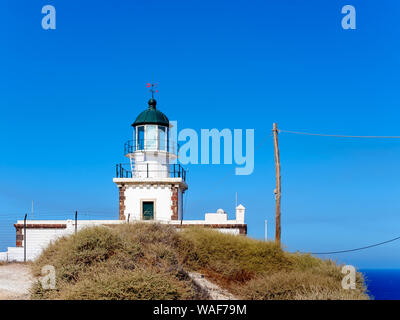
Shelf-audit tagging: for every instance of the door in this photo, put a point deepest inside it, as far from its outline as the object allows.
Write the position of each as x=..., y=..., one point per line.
x=148, y=210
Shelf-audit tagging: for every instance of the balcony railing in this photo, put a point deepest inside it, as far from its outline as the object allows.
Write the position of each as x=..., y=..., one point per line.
x=132, y=146
x=146, y=171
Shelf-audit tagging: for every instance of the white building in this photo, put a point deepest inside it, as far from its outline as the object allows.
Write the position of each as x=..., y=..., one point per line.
x=151, y=187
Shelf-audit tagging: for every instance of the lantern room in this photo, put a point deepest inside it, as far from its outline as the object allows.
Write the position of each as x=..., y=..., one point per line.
x=151, y=152
x=151, y=131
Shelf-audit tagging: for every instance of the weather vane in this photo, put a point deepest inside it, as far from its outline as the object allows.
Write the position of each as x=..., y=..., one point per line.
x=153, y=88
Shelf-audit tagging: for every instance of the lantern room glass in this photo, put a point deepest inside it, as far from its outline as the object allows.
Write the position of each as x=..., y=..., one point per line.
x=140, y=138
x=162, y=138
x=151, y=137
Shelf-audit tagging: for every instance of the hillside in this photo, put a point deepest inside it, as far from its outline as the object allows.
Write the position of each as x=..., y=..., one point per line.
x=153, y=261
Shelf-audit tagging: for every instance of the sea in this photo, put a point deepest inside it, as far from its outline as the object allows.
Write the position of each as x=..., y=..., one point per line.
x=382, y=284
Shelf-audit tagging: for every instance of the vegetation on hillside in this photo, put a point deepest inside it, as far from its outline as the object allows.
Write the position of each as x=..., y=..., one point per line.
x=151, y=261
x=252, y=269
x=126, y=262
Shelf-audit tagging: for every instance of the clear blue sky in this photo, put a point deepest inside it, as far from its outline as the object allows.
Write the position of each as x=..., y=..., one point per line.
x=68, y=97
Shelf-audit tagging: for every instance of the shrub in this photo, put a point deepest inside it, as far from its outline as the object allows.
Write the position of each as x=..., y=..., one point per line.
x=124, y=262
x=149, y=261
x=234, y=257
x=298, y=285
x=252, y=269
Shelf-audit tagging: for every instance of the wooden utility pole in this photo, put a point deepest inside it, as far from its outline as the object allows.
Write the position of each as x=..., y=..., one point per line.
x=278, y=186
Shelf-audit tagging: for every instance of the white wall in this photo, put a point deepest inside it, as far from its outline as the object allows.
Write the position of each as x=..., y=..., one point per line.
x=217, y=218
x=37, y=239
x=230, y=231
x=156, y=162
x=3, y=256
x=160, y=194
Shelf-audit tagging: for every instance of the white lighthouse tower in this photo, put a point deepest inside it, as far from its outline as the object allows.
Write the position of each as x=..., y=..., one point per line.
x=150, y=186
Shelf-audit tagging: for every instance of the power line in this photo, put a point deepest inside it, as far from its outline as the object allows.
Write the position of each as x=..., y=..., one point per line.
x=345, y=136
x=357, y=249
x=228, y=175
x=337, y=135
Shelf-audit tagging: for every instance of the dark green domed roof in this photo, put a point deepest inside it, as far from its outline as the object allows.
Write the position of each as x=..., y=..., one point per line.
x=151, y=116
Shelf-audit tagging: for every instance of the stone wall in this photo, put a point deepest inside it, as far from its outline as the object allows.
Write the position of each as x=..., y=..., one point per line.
x=174, y=203
x=122, y=203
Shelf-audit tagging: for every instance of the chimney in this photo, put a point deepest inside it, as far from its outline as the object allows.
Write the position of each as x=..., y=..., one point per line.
x=240, y=214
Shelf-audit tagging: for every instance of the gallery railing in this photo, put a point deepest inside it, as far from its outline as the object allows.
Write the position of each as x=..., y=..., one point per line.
x=145, y=171
x=132, y=146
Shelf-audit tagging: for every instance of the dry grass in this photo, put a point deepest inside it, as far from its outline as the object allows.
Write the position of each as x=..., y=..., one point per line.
x=252, y=269
x=149, y=261
x=126, y=262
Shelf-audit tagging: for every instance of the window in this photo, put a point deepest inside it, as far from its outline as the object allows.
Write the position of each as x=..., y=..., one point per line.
x=134, y=146
x=162, y=138
x=167, y=139
x=140, y=141
x=151, y=138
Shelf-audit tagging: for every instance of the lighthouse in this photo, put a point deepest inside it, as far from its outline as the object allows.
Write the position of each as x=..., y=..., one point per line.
x=151, y=184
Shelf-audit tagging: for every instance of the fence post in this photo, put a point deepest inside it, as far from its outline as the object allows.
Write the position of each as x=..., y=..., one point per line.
x=76, y=221
x=129, y=215
x=266, y=231
x=25, y=237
